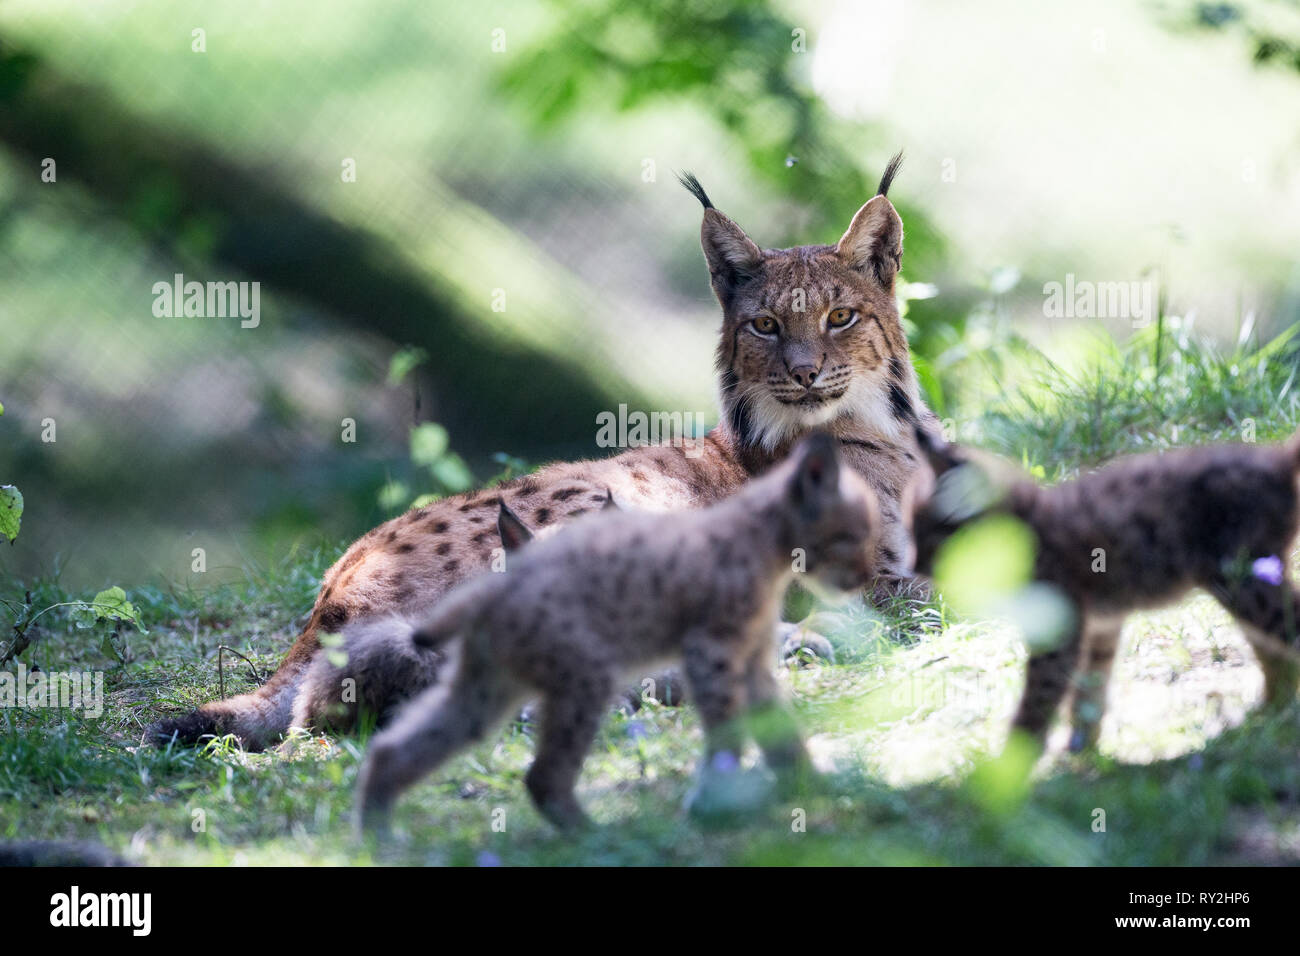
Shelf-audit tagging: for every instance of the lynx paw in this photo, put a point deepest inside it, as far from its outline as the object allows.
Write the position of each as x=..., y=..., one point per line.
x=725, y=794
x=804, y=646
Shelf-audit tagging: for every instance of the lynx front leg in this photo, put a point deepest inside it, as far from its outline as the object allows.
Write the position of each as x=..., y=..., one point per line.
x=1100, y=642
x=1046, y=682
x=571, y=716
x=715, y=673
x=774, y=726
x=1269, y=614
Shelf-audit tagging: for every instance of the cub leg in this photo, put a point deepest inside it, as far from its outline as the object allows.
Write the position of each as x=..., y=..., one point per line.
x=571, y=715
x=1269, y=614
x=431, y=728
x=1100, y=642
x=1046, y=681
x=715, y=674
x=774, y=726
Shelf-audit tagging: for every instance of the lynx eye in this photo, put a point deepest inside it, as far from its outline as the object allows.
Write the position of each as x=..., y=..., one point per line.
x=839, y=318
x=765, y=325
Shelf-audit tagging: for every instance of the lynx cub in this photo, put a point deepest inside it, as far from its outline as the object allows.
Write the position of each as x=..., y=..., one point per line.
x=620, y=591
x=1223, y=518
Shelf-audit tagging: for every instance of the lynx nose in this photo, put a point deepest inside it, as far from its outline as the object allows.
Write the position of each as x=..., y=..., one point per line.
x=805, y=375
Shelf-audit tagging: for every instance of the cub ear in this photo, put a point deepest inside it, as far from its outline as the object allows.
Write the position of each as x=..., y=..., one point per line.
x=731, y=255
x=873, y=244
x=815, y=483
x=940, y=455
x=514, y=533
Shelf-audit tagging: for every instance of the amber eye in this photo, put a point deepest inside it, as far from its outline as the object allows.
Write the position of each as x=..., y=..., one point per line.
x=839, y=318
x=765, y=325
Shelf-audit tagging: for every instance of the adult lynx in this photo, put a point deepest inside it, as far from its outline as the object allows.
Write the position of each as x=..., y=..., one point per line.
x=810, y=339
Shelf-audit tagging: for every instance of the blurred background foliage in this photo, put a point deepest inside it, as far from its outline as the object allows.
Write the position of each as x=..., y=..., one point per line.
x=515, y=254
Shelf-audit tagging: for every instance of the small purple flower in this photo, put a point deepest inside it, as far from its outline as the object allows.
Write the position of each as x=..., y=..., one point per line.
x=724, y=761
x=636, y=730
x=1268, y=569
x=1196, y=762
x=488, y=858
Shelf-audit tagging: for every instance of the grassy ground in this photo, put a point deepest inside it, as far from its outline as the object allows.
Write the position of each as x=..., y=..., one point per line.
x=908, y=723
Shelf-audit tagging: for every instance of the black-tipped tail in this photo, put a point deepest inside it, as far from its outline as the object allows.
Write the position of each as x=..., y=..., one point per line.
x=693, y=186
x=887, y=179
x=188, y=730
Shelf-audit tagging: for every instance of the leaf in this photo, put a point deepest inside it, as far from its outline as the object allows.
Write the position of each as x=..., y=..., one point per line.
x=452, y=473
x=112, y=605
x=429, y=442
x=404, y=361
x=393, y=495
x=988, y=559
x=11, y=511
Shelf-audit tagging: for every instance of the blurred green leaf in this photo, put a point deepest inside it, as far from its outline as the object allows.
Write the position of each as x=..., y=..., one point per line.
x=108, y=605
x=429, y=442
x=405, y=361
x=985, y=561
x=11, y=511
x=452, y=473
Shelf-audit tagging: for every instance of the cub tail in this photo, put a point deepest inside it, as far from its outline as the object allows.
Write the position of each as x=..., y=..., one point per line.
x=456, y=612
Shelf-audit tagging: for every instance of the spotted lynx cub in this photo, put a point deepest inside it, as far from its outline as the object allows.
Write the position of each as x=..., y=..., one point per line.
x=1223, y=518
x=810, y=338
x=618, y=592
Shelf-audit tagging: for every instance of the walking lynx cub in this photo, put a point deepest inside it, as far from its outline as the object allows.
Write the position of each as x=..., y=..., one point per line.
x=1223, y=518
x=621, y=591
x=810, y=338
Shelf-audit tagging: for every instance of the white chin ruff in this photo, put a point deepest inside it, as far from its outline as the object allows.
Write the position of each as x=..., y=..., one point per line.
x=865, y=405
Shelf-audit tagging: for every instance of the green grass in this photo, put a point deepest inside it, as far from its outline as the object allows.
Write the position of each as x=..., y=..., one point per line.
x=909, y=724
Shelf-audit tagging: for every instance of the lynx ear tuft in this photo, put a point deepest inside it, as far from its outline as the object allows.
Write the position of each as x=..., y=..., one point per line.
x=687, y=179
x=514, y=533
x=887, y=177
x=873, y=244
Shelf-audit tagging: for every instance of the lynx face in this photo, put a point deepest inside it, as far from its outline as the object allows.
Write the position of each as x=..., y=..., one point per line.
x=811, y=335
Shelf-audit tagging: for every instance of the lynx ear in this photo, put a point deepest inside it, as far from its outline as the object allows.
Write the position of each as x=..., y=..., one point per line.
x=873, y=244
x=514, y=533
x=610, y=504
x=732, y=256
x=816, y=480
x=941, y=456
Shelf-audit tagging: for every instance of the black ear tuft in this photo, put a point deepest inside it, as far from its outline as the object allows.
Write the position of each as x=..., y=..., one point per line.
x=514, y=533
x=887, y=178
x=692, y=185
x=610, y=504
